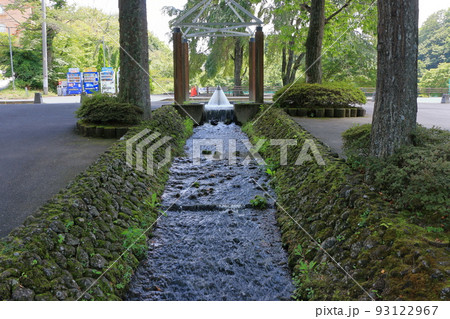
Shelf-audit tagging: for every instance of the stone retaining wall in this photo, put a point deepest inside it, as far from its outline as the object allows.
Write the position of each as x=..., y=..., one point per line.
x=62, y=250
x=329, y=208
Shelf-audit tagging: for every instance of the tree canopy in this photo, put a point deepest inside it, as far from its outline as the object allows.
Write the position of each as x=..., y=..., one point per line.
x=434, y=35
x=75, y=40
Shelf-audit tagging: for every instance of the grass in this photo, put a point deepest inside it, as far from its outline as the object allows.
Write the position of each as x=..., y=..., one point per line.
x=20, y=94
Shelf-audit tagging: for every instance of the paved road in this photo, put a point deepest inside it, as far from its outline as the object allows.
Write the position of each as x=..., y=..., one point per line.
x=40, y=154
x=329, y=130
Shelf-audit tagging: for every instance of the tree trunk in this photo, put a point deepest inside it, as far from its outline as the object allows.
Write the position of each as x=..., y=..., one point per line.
x=134, y=63
x=314, y=42
x=287, y=65
x=238, y=60
x=289, y=68
x=395, y=112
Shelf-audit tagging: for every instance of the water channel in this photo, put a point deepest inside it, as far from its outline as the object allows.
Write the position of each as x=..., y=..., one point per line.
x=212, y=243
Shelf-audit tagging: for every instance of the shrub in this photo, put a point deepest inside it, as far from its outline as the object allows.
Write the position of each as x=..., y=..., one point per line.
x=305, y=95
x=108, y=110
x=357, y=143
x=415, y=177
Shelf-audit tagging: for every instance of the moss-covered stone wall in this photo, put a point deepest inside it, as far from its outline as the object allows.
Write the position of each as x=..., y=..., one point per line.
x=329, y=208
x=63, y=249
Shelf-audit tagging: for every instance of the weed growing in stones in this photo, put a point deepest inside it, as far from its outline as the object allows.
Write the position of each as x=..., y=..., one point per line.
x=69, y=225
x=432, y=229
x=136, y=242
x=259, y=202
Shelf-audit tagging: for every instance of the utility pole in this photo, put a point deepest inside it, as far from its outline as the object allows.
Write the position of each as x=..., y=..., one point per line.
x=12, y=63
x=104, y=53
x=44, y=47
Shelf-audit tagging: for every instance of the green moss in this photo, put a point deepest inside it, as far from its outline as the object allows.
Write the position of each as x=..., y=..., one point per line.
x=45, y=260
x=333, y=200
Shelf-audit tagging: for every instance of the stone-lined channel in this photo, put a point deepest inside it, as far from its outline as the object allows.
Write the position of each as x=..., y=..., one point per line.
x=212, y=244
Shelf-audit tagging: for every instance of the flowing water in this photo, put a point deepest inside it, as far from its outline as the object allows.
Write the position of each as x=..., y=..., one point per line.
x=212, y=244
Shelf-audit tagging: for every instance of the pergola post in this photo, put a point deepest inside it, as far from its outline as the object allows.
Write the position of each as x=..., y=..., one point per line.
x=186, y=69
x=178, y=78
x=251, y=70
x=259, y=65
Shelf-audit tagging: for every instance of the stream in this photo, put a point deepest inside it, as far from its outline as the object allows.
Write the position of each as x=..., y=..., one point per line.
x=212, y=244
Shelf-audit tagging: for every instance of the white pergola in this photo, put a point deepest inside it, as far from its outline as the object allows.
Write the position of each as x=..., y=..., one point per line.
x=194, y=28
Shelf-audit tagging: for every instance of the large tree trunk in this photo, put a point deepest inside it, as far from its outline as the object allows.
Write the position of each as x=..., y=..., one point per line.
x=238, y=60
x=314, y=42
x=395, y=111
x=134, y=63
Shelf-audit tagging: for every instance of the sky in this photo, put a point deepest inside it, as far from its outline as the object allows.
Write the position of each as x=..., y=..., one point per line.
x=159, y=23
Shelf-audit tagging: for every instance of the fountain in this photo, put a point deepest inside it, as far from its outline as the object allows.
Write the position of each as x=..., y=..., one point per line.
x=219, y=109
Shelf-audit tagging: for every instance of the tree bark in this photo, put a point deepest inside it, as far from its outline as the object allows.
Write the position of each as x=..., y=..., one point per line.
x=238, y=61
x=289, y=68
x=395, y=112
x=134, y=62
x=314, y=42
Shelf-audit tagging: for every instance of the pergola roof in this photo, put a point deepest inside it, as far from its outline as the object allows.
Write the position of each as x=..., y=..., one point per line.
x=194, y=28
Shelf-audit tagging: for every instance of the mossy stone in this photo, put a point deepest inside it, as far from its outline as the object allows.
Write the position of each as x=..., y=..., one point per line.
x=320, y=112
x=329, y=112
x=99, y=131
x=361, y=112
x=339, y=112
x=109, y=132
x=302, y=112
x=291, y=111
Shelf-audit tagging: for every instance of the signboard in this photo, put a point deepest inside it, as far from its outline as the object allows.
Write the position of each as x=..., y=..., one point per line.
x=108, y=80
x=90, y=80
x=74, y=82
x=62, y=87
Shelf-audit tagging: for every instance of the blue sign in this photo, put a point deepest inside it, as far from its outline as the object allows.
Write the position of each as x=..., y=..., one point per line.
x=74, y=82
x=90, y=82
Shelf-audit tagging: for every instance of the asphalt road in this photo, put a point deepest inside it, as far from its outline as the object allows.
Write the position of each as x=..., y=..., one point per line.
x=40, y=154
x=329, y=130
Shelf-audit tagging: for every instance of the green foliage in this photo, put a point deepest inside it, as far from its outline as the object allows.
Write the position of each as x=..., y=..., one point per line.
x=75, y=40
x=352, y=59
x=153, y=204
x=303, y=273
x=259, y=202
x=357, y=143
x=415, y=178
x=108, y=110
x=135, y=240
x=432, y=229
x=436, y=78
x=304, y=95
x=434, y=36
x=27, y=65
x=100, y=58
